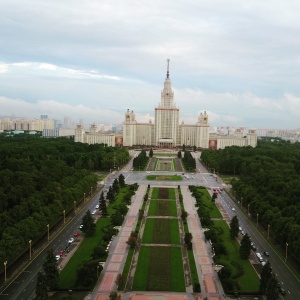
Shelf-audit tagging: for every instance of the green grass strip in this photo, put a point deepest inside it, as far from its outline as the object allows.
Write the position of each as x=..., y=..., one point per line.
x=155, y=193
x=249, y=281
x=141, y=275
x=193, y=268
x=172, y=193
x=126, y=269
x=177, y=278
x=67, y=277
x=164, y=177
x=211, y=206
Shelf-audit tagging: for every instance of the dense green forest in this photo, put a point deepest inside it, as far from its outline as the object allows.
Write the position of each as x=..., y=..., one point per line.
x=267, y=179
x=41, y=178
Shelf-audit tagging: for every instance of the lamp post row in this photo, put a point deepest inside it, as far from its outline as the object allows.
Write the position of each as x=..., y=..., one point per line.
x=48, y=235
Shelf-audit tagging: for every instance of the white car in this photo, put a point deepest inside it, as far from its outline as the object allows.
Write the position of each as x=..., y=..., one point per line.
x=93, y=212
x=97, y=206
x=57, y=257
x=71, y=240
x=233, y=209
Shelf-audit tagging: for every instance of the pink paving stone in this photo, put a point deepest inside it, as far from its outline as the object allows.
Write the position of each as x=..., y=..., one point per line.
x=128, y=228
x=209, y=284
x=204, y=260
x=213, y=298
x=159, y=297
x=113, y=266
x=125, y=233
x=130, y=222
x=108, y=282
x=116, y=258
x=102, y=297
x=206, y=269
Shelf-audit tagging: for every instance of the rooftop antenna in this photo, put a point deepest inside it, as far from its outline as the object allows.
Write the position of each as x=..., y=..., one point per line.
x=168, y=61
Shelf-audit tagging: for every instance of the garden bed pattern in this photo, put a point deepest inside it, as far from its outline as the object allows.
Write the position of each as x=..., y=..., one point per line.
x=160, y=252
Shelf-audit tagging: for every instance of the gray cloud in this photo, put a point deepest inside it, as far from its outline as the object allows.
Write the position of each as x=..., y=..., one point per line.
x=239, y=60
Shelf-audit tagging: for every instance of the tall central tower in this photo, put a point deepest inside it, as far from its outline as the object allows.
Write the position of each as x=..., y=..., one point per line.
x=167, y=117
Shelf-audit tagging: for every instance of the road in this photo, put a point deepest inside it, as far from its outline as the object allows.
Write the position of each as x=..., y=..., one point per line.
x=23, y=286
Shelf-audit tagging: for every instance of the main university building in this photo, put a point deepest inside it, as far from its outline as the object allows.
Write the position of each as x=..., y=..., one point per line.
x=166, y=132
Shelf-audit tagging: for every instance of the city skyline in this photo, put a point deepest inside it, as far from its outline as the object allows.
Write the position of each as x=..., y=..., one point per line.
x=93, y=61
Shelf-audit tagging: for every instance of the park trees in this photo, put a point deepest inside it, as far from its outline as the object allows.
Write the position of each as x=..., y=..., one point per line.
x=102, y=205
x=41, y=288
x=245, y=248
x=234, y=227
x=89, y=227
x=272, y=291
x=121, y=180
x=265, y=276
x=51, y=274
x=151, y=152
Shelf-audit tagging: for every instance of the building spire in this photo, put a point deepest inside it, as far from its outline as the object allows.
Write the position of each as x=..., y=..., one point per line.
x=168, y=61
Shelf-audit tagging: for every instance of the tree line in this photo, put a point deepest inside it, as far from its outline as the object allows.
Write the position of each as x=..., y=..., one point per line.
x=267, y=184
x=39, y=180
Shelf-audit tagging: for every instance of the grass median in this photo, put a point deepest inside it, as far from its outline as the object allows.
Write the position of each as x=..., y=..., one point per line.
x=67, y=277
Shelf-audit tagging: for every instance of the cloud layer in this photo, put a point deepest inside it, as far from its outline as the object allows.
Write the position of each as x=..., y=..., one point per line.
x=92, y=60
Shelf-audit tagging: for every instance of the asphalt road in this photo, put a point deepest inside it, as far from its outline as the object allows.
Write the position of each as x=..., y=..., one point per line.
x=23, y=286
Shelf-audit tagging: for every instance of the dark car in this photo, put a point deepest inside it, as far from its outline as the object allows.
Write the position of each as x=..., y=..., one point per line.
x=266, y=253
x=281, y=290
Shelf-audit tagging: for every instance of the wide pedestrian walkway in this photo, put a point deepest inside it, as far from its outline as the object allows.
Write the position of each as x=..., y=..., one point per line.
x=119, y=249
x=210, y=284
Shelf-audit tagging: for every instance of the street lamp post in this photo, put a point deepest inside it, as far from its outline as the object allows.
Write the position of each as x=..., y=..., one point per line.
x=286, y=251
x=91, y=190
x=30, y=241
x=257, y=220
x=5, y=263
x=83, y=197
x=242, y=203
x=268, y=231
x=48, y=227
x=74, y=207
x=64, y=212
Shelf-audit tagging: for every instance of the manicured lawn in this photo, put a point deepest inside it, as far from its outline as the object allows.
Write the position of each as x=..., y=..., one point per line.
x=161, y=231
x=111, y=208
x=249, y=281
x=154, y=193
x=67, y=278
x=172, y=194
x=164, y=177
x=149, y=275
x=206, y=198
x=174, y=165
x=162, y=208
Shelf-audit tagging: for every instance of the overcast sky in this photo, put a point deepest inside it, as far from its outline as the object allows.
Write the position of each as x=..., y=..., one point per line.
x=93, y=60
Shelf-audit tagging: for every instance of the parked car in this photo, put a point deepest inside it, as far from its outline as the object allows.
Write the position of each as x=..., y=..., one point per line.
x=71, y=240
x=266, y=253
x=281, y=290
x=76, y=234
x=81, y=226
x=61, y=253
x=233, y=209
x=97, y=206
x=93, y=212
x=57, y=257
